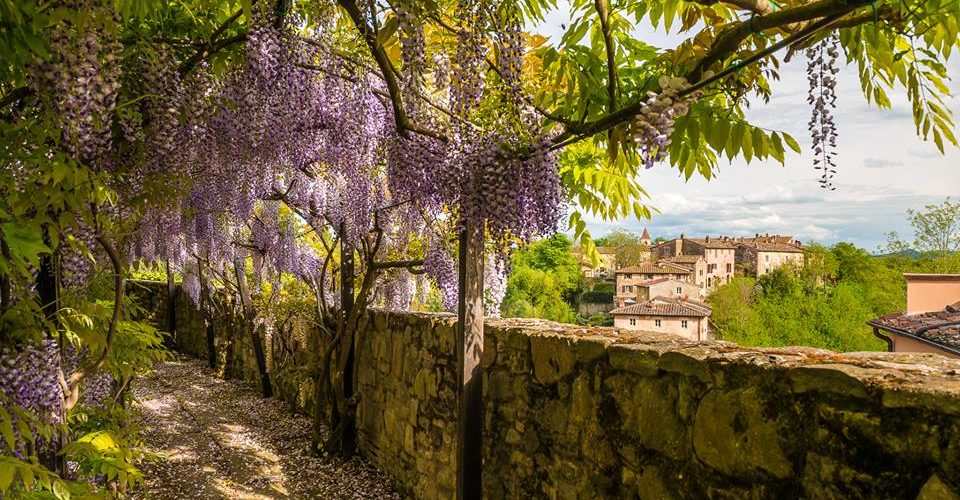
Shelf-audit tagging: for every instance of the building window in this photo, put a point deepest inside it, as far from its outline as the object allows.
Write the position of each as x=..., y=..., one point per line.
x=633, y=322
x=683, y=323
x=679, y=290
x=729, y=268
x=701, y=272
x=767, y=257
x=656, y=323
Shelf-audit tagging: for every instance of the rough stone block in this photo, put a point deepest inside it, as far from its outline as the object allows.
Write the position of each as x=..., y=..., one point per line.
x=937, y=397
x=735, y=434
x=636, y=358
x=591, y=348
x=553, y=357
x=936, y=489
x=826, y=477
x=652, y=484
x=835, y=378
x=660, y=427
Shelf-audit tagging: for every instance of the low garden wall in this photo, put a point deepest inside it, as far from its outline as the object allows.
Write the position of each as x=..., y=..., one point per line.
x=589, y=413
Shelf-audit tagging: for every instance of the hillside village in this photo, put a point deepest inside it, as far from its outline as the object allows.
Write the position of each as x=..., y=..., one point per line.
x=665, y=292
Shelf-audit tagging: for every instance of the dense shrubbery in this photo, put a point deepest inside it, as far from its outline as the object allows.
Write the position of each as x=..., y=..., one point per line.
x=826, y=303
x=543, y=281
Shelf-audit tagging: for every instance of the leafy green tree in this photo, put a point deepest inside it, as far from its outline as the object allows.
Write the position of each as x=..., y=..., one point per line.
x=937, y=228
x=825, y=303
x=820, y=266
x=543, y=281
x=853, y=263
x=627, y=247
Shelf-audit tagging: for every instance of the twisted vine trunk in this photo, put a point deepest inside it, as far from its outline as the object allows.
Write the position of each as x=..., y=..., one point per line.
x=48, y=297
x=171, y=308
x=469, y=351
x=4, y=279
x=206, y=308
x=248, y=323
x=341, y=415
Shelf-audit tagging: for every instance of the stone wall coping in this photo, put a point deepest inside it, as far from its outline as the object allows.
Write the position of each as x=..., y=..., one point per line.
x=884, y=371
x=899, y=379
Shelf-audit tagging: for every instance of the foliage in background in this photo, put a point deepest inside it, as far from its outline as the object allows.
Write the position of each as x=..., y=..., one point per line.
x=627, y=247
x=826, y=303
x=936, y=233
x=543, y=281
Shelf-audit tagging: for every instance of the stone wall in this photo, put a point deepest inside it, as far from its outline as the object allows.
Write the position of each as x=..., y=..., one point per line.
x=591, y=413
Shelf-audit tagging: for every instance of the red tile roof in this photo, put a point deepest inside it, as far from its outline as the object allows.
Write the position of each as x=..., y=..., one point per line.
x=713, y=243
x=684, y=260
x=763, y=244
x=652, y=282
x=937, y=327
x=718, y=242
x=658, y=268
x=666, y=306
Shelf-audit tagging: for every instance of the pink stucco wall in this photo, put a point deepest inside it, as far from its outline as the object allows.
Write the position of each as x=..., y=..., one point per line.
x=697, y=328
x=931, y=292
x=906, y=344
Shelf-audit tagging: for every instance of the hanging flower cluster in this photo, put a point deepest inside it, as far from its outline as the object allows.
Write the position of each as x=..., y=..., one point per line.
x=495, y=274
x=652, y=128
x=29, y=378
x=822, y=75
x=439, y=265
x=80, y=81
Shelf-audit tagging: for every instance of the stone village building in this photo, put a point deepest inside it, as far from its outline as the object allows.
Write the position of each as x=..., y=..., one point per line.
x=718, y=253
x=760, y=255
x=631, y=279
x=697, y=266
x=674, y=315
x=607, y=264
x=608, y=257
x=931, y=322
x=658, y=287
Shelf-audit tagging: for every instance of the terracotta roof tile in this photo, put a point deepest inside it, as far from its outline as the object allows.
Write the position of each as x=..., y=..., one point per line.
x=713, y=243
x=650, y=268
x=652, y=282
x=666, y=306
x=940, y=327
x=683, y=259
x=770, y=246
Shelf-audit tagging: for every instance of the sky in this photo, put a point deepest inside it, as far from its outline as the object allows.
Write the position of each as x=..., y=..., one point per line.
x=884, y=168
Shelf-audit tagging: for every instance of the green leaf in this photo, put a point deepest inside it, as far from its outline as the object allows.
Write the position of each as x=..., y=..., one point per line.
x=388, y=29
x=6, y=427
x=60, y=490
x=247, y=6
x=6, y=477
x=791, y=142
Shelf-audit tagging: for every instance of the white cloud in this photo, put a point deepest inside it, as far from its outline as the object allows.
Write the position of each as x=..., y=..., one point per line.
x=881, y=163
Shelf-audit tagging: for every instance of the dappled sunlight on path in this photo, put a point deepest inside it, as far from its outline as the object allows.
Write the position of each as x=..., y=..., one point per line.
x=219, y=439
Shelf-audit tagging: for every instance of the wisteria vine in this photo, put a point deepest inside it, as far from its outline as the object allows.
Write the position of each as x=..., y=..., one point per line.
x=822, y=75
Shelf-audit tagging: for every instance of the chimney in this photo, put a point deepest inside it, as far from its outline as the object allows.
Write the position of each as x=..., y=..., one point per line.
x=707, y=238
x=756, y=235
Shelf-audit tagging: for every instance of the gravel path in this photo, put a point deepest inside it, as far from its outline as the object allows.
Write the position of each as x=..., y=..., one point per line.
x=219, y=439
